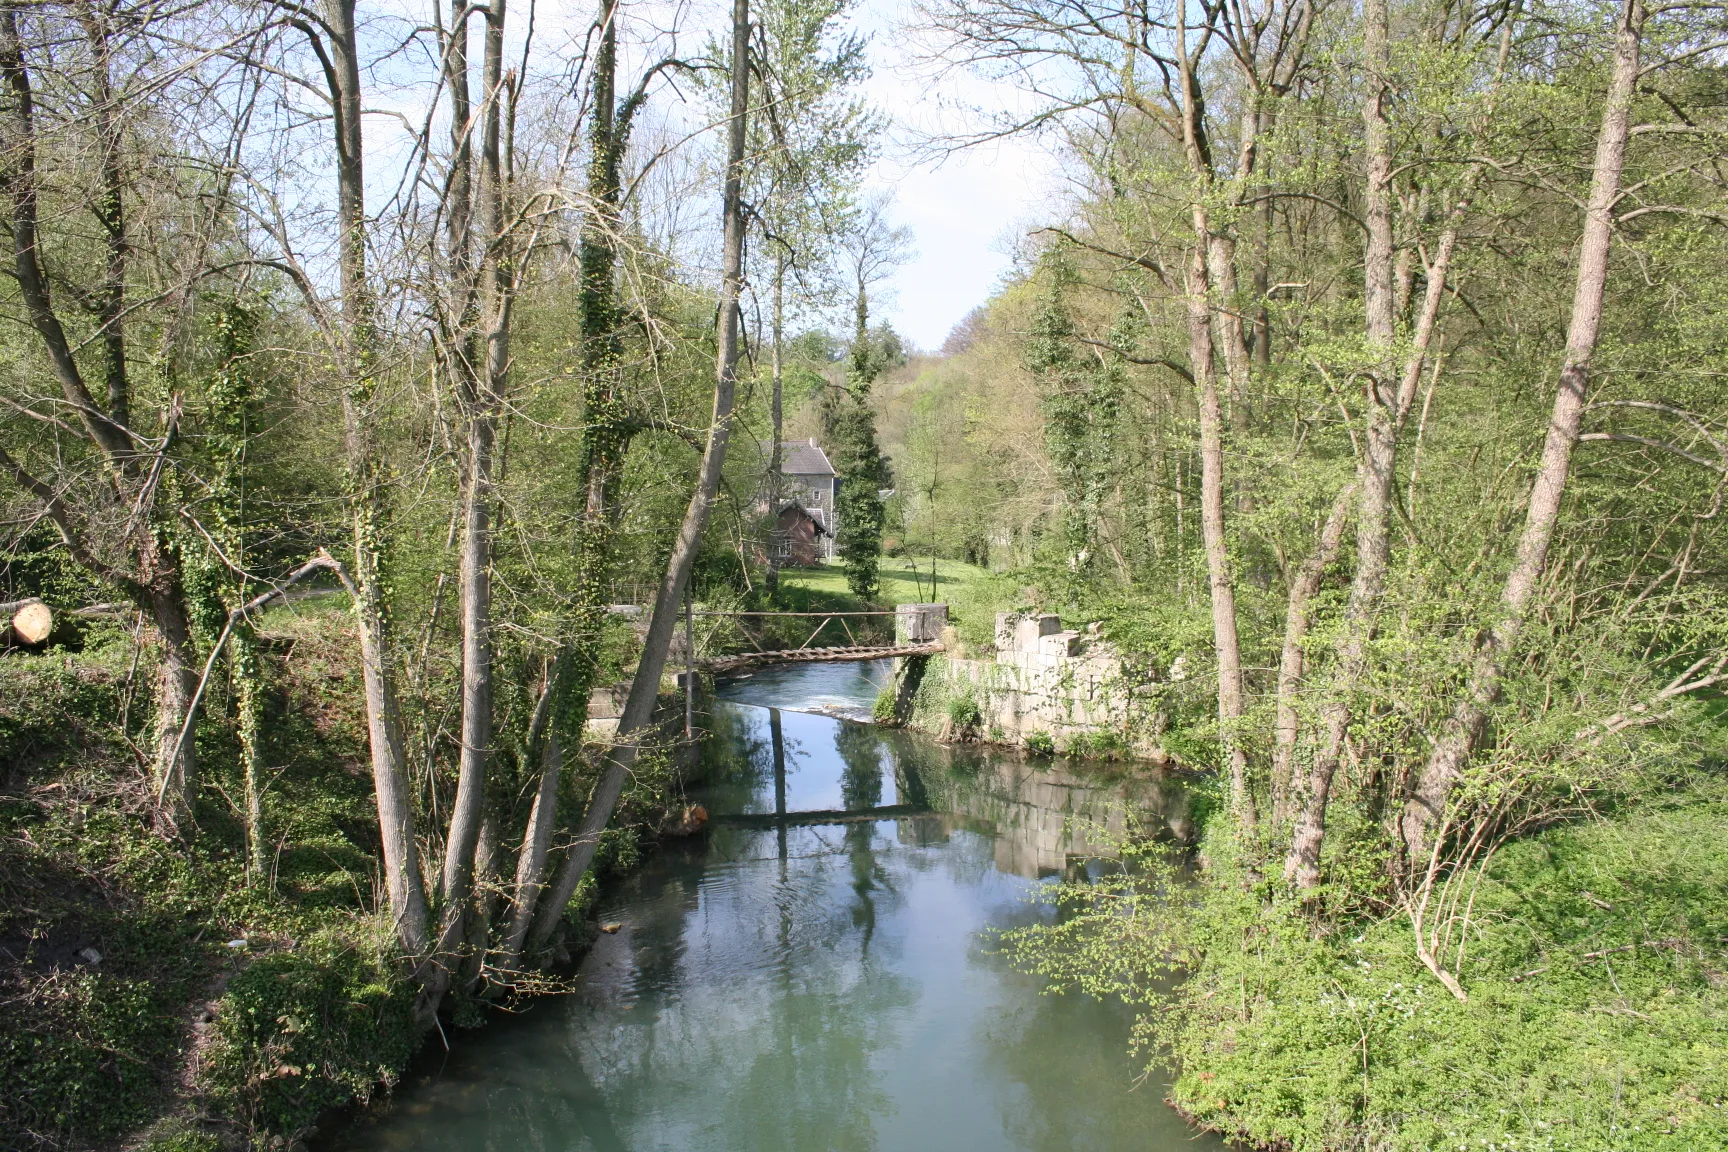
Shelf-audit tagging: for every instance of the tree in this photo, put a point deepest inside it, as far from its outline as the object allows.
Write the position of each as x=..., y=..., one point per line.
x=816, y=140
x=873, y=248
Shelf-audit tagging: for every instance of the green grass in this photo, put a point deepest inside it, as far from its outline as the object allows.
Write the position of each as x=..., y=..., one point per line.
x=974, y=595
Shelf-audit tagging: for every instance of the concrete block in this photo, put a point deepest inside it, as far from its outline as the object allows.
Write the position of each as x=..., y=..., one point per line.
x=1031, y=629
x=1059, y=644
x=919, y=623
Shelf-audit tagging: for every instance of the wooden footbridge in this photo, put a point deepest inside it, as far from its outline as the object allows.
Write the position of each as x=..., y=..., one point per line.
x=917, y=632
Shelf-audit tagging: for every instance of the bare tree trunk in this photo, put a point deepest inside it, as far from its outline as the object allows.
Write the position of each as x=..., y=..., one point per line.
x=1380, y=457
x=536, y=846
x=462, y=861
x=365, y=481
x=1464, y=728
x=1198, y=290
x=477, y=925
x=1224, y=633
x=776, y=452
x=1229, y=329
x=645, y=687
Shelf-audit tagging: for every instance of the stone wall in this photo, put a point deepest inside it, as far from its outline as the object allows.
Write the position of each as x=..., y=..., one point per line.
x=1046, y=685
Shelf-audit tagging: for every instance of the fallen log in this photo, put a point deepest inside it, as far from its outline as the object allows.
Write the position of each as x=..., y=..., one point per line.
x=32, y=620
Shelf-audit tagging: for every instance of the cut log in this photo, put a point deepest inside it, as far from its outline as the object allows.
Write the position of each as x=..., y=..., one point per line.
x=32, y=622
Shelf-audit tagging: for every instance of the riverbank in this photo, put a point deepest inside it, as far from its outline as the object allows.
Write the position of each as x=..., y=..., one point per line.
x=1590, y=957
x=161, y=995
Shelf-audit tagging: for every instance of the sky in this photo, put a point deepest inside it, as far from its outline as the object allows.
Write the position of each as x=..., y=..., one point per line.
x=967, y=213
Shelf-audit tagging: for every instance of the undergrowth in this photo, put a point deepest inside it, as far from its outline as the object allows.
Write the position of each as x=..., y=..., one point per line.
x=1596, y=974
x=135, y=968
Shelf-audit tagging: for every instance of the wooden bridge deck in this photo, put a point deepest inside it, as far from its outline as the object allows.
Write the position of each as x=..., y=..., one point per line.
x=806, y=655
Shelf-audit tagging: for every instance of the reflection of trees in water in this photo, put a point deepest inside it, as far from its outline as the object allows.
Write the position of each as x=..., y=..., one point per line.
x=908, y=774
x=737, y=751
x=859, y=747
x=860, y=750
x=1069, y=1054
x=763, y=1037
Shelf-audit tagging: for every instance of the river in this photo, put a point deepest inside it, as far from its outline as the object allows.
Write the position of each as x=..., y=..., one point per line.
x=784, y=984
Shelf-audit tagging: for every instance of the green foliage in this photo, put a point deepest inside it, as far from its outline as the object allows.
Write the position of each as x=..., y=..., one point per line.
x=100, y=958
x=1594, y=963
x=181, y=1138
x=55, y=709
x=849, y=433
x=309, y=1029
x=1098, y=745
x=963, y=713
x=1082, y=401
x=1042, y=743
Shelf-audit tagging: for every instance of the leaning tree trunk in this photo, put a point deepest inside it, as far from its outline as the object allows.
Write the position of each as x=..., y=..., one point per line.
x=645, y=687
x=1293, y=659
x=1426, y=807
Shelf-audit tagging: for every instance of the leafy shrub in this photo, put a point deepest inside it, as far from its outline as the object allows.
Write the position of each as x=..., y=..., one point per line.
x=882, y=711
x=1597, y=1017
x=1042, y=743
x=1096, y=746
x=82, y=1040
x=76, y=1057
x=303, y=1031
x=963, y=713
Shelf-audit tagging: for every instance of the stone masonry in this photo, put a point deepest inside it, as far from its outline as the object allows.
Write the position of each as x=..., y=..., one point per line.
x=1065, y=684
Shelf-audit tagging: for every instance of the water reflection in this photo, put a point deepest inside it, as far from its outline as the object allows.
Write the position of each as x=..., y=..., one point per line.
x=803, y=986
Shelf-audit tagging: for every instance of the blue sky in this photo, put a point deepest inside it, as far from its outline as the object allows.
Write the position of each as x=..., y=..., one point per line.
x=968, y=213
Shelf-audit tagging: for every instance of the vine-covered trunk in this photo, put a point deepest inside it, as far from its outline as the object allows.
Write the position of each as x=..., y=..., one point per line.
x=366, y=495
x=645, y=686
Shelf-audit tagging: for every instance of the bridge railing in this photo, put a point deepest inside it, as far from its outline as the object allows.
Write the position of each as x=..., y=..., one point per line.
x=914, y=625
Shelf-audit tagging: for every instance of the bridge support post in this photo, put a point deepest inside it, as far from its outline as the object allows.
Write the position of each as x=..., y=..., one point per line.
x=919, y=623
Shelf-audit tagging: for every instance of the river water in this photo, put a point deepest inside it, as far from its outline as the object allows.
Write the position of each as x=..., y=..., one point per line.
x=816, y=983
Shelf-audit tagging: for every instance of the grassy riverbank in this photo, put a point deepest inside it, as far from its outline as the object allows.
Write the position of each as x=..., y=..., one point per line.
x=157, y=995
x=1592, y=960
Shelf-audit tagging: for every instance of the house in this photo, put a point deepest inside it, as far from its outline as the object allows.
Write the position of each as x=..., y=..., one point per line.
x=800, y=538
x=804, y=523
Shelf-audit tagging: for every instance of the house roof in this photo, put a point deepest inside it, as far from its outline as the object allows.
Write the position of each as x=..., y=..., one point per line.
x=804, y=458
x=815, y=517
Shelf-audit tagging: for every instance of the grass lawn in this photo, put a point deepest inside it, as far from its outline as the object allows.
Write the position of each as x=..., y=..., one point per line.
x=974, y=595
